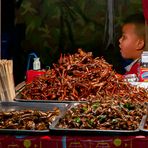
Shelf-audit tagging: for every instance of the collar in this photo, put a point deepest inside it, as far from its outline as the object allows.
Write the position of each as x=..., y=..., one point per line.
x=127, y=68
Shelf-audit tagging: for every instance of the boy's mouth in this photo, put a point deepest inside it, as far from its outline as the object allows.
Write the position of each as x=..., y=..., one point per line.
x=120, y=46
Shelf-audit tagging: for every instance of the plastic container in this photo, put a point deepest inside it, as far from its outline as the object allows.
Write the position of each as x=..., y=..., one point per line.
x=131, y=78
x=32, y=74
x=35, y=69
x=36, y=64
x=143, y=70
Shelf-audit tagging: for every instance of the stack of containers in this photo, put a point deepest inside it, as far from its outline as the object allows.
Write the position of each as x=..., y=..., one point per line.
x=143, y=70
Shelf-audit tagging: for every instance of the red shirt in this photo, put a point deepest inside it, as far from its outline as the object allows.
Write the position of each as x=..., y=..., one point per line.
x=133, y=68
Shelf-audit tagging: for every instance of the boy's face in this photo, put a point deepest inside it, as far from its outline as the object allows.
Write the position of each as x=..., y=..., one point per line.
x=129, y=42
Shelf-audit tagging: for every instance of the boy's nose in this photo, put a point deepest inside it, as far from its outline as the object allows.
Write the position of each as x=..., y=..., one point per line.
x=120, y=39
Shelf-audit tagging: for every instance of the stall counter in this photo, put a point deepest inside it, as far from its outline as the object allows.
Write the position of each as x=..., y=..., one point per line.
x=40, y=141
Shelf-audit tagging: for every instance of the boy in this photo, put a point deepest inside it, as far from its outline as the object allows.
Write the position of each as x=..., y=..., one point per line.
x=132, y=41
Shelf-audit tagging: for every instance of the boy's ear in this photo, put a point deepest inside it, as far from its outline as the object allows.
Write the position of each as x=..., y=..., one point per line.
x=140, y=44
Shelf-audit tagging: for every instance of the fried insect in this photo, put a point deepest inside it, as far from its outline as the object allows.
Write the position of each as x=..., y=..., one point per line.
x=80, y=77
x=109, y=115
x=27, y=119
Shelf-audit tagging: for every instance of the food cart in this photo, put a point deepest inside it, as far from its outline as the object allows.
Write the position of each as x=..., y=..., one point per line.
x=85, y=107
x=58, y=137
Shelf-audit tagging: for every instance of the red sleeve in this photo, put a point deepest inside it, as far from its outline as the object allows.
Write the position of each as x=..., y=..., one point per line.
x=145, y=9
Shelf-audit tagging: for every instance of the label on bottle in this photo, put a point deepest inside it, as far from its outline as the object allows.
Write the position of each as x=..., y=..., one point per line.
x=143, y=74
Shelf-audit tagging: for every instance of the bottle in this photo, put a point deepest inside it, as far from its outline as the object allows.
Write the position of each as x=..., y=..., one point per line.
x=36, y=64
x=143, y=70
x=131, y=78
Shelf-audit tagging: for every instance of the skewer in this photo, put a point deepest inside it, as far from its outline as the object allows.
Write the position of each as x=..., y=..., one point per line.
x=7, y=88
x=3, y=82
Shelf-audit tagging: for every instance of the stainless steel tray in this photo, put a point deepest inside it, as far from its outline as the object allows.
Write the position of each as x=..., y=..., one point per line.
x=55, y=129
x=142, y=124
x=19, y=99
x=16, y=106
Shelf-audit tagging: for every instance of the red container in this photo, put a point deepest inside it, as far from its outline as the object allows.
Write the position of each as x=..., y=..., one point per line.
x=31, y=74
x=143, y=76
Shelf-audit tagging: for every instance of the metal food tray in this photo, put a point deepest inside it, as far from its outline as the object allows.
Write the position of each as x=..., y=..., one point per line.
x=56, y=130
x=19, y=99
x=13, y=106
x=142, y=124
x=140, y=84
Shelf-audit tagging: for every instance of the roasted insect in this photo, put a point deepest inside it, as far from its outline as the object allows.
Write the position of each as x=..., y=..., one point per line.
x=27, y=119
x=80, y=77
x=109, y=115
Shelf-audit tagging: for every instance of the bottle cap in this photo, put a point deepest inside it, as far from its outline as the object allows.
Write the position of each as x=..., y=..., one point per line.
x=36, y=59
x=144, y=59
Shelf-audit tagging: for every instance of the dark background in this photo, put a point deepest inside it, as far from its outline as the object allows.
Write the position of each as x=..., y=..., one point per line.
x=50, y=28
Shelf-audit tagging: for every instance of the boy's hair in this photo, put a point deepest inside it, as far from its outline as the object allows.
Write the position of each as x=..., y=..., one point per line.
x=139, y=21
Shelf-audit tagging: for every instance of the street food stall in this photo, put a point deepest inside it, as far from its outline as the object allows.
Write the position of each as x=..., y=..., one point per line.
x=78, y=102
